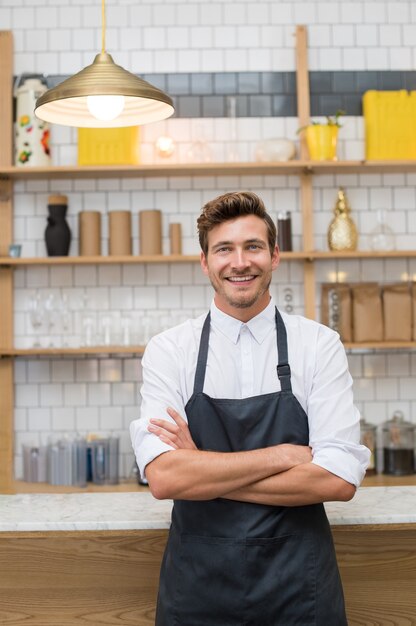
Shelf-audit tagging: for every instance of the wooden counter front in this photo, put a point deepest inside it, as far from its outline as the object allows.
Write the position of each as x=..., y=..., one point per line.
x=111, y=577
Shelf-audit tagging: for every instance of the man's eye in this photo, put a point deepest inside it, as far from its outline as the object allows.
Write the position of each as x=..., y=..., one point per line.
x=224, y=249
x=253, y=246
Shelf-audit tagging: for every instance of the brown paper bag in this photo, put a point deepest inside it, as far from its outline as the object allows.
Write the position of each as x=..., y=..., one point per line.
x=336, y=308
x=367, y=313
x=397, y=312
x=414, y=310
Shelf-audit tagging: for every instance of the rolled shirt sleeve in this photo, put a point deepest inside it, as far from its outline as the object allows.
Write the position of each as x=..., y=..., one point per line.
x=159, y=391
x=334, y=421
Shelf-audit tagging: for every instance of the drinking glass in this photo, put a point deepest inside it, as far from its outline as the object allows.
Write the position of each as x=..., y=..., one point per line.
x=125, y=325
x=51, y=312
x=36, y=312
x=65, y=316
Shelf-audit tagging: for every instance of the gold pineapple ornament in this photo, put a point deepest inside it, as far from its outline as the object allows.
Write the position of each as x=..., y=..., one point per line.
x=342, y=231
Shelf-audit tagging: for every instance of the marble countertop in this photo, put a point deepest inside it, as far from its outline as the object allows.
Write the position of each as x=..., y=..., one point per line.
x=138, y=511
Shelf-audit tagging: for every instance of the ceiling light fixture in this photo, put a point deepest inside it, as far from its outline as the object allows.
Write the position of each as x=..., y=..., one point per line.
x=103, y=95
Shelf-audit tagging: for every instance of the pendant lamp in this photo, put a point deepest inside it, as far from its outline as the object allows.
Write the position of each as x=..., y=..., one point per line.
x=103, y=95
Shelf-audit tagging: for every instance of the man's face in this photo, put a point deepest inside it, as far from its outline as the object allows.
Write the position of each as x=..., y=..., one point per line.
x=239, y=266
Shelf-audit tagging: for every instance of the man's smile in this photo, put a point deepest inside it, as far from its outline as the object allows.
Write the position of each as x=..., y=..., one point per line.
x=240, y=279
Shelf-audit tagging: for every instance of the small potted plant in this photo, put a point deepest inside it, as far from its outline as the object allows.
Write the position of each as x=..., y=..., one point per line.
x=321, y=138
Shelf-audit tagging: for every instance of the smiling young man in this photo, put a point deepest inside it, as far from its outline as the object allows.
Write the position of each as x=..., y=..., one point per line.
x=248, y=423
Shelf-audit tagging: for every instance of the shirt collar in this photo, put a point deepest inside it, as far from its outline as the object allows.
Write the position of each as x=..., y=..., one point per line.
x=259, y=326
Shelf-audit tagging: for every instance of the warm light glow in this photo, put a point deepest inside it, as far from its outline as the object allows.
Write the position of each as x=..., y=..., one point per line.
x=165, y=146
x=105, y=108
x=337, y=277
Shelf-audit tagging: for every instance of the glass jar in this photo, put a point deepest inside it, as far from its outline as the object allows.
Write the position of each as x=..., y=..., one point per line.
x=368, y=438
x=398, y=446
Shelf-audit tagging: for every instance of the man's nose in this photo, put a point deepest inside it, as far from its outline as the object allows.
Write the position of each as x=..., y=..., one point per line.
x=240, y=259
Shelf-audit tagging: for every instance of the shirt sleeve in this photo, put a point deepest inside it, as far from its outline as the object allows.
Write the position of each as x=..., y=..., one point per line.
x=334, y=421
x=159, y=391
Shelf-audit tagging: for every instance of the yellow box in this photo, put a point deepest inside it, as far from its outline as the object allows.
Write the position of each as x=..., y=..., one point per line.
x=390, y=125
x=109, y=146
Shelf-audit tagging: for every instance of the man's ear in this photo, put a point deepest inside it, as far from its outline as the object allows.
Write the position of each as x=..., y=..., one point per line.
x=204, y=263
x=275, y=257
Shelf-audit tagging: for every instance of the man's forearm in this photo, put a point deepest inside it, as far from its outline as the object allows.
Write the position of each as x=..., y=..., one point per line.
x=200, y=475
x=299, y=486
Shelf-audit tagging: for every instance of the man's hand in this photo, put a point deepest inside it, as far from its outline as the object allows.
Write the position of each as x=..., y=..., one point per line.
x=295, y=454
x=176, y=435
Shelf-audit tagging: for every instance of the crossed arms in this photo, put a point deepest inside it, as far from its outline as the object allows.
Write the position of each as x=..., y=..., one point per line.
x=278, y=475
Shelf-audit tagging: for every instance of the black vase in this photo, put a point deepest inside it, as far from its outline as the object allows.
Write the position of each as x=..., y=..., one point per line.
x=57, y=232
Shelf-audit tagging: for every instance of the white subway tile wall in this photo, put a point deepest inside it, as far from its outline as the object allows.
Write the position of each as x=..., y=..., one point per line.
x=67, y=395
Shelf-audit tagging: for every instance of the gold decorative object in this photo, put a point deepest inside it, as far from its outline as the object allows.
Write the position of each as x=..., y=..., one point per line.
x=103, y=95
x=342, y=232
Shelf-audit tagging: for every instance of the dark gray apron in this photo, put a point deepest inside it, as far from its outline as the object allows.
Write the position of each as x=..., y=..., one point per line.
x=240, y=564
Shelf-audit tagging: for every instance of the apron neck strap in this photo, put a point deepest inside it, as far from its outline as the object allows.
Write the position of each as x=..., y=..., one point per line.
x=202, y=356
x=283, y=367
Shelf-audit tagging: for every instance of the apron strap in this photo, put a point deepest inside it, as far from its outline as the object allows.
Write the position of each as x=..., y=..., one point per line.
x=202, y=356
x=283, y=367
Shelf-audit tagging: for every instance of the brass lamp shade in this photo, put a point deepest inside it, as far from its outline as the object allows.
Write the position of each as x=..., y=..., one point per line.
x=67, y=102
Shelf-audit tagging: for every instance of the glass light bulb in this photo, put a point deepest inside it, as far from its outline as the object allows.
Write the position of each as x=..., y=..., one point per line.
x=105, y=108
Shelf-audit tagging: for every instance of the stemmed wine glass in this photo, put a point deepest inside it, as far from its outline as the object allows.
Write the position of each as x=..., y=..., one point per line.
x=36, y=312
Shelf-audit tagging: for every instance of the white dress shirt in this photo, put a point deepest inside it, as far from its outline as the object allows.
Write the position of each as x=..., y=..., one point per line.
x=242, y=359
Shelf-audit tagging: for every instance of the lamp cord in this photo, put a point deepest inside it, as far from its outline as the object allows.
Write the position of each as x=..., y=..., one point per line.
x=103, y=26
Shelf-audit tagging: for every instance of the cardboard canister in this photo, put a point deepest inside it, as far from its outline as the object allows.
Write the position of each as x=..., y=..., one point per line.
x=175, y=238
x=150, y=231
x=89, y=233
x=120, y=233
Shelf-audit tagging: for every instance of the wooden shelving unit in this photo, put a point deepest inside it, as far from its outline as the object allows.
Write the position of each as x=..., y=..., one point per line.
x=303, y=168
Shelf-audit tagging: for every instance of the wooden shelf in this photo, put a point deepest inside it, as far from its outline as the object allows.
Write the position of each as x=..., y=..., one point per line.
x=194, y=258
x=363, y=254
x=383, y=480
x=98, y=260
x=207, y=169
x=62, y=351
x=138, y=350
x=380, y=345
x=20, y=486
x=124, y=260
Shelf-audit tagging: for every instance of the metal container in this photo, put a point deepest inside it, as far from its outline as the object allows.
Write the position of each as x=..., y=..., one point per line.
x=398, y=446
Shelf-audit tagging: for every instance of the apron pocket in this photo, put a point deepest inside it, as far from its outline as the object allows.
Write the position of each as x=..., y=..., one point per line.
x=210, y=588
x=281, y=581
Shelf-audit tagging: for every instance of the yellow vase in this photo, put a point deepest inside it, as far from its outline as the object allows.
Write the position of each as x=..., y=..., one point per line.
x=321, y=140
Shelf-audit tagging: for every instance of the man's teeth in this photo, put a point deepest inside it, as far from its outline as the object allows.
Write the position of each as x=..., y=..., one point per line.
x=240, y=279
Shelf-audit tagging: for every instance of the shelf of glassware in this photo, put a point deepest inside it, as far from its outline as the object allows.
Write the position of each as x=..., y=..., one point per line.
x=145, y=170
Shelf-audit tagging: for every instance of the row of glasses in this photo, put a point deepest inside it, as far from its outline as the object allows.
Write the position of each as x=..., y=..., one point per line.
x=50, y=315
x=46, y=312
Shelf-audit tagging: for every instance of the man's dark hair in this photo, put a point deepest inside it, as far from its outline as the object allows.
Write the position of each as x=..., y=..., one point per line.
x=228, y=207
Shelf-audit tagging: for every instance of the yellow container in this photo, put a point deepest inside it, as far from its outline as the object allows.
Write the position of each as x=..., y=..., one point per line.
x=390, y=125
x=109, y=146
x=321, y=140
